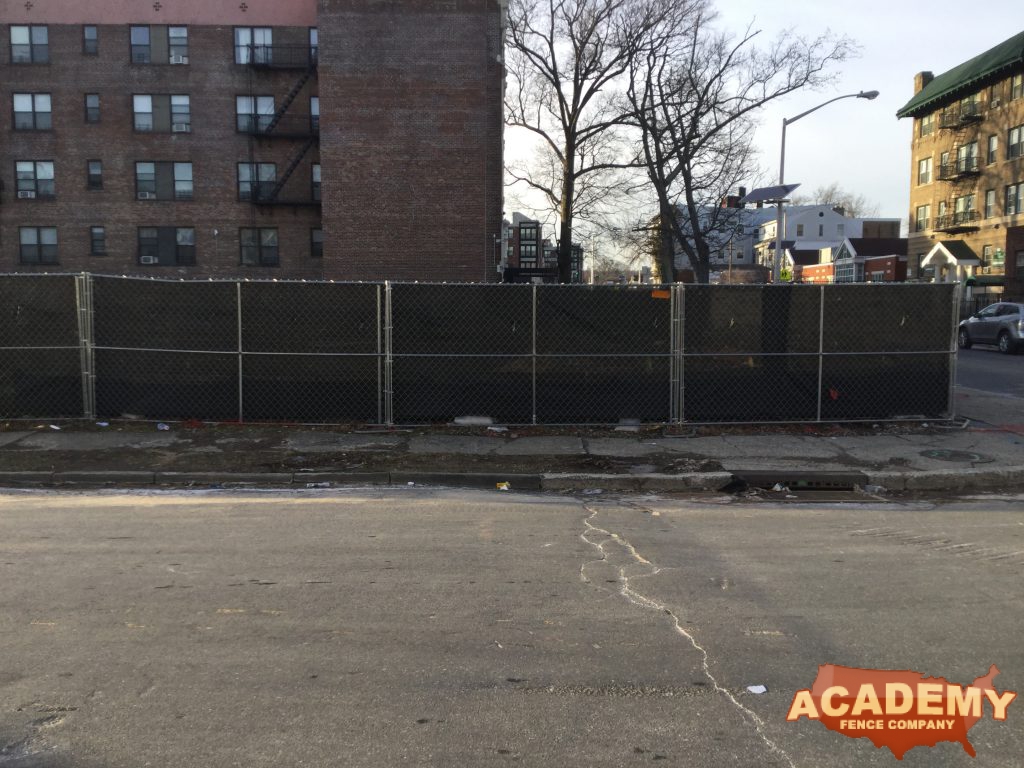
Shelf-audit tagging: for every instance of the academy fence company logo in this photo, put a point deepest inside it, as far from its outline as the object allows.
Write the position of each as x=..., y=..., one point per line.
x=898, y=709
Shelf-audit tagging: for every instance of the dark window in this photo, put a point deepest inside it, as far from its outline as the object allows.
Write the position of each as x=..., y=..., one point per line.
x=1015, y=144
x=528, y=254
x=254, y=113
x=993, y=148
x=527, y=233
x=167, y=246
x=163, y=181
x=34, y=179
x=316, y=182
x=92, y=107
x=32, y=112
x=38, y=245
x=90, y=40
x=94, y=175
x=97, y=241
x=177, y=45
x=316, y=243
x=927, y=124
x=141, y=51
x=990, y=203
x=259, y=247
x=256, y=181
x=1016, y=86
x=1015, y=199
x=30, y=45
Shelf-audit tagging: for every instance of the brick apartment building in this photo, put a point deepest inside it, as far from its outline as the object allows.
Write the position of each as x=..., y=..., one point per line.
x=530, y=257
x=967, y=172
x=200, y=138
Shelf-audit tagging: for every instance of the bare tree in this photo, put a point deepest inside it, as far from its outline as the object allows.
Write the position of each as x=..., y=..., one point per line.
x=853, y=204
x=694, y=100
x=566, y=60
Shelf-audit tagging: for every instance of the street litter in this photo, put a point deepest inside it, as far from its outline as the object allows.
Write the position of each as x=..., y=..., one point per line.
x=592, y=491
x=54, y=426
x=874, y=489
x=102, y=423
x=503, y=486
x=162, y=427
x=318, y=485
x=757, y=689
x=780, y=487
x=473, y=421
x=497, y=429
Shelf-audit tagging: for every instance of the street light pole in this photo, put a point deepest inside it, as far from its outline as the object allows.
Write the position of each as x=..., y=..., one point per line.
x=777, y=266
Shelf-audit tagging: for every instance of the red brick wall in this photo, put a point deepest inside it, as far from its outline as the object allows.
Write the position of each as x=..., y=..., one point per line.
x=212, y=80
x=894, y=268
x=411, y=138
x=815, y=273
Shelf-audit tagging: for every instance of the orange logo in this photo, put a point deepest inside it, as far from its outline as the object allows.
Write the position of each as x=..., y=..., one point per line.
x=898, y=709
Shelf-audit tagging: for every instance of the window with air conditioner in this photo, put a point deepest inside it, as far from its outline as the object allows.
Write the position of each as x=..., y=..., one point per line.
x=181, y=113
x=34, y=179
x=163, y=180
x=167, y=246
x=177, y=45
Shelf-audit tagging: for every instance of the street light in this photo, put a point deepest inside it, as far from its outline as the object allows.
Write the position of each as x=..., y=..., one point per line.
x=777, y=266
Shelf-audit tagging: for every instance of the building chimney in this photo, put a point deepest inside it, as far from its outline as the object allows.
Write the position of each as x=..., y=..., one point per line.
x=921, y=79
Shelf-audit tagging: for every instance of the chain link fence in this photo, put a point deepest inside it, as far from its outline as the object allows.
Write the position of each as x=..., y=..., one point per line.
x=382, y=353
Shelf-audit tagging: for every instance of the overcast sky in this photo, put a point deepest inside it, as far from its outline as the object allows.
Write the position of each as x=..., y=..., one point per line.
x=859, y=143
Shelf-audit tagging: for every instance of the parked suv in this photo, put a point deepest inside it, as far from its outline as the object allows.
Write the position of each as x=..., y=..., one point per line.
x=999, y=324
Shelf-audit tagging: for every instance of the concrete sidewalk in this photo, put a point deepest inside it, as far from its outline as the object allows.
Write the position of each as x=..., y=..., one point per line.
x=985, y=454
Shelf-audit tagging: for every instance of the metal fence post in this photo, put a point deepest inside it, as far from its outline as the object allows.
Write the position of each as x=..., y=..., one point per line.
x=238, y=302
x=951, y=408
x=533, y=375
x=380, y=366
x=86, y=342
x=389, y=363
x=821, y=345
x=678, y=356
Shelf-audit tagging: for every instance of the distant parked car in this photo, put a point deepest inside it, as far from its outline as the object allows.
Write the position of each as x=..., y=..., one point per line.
x=999, y=324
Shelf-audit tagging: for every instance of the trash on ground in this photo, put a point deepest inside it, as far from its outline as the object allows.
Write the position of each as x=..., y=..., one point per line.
x=102, y=423
x=410, y=483
x=780, y=487
x=473, y=421
x=497, y=429
x=757, y=689
x=503, y=486
x=54, y=426
x=163, y=427
x=130, y=416
x=318, y=485
x=873, y=489
x=592, y=491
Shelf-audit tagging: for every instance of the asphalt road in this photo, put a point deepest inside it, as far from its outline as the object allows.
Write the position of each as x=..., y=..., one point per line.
x=983, y=367
x=443, y=628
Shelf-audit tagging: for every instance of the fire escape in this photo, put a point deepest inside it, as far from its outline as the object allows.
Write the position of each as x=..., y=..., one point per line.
x=303, y=130
x=963, y=166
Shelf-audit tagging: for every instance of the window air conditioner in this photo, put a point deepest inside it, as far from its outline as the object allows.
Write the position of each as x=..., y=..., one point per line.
x=180, y=128
x=147, y=195
x=26, y=194
x=147, y=260
x=997, y=102
x=179, y=59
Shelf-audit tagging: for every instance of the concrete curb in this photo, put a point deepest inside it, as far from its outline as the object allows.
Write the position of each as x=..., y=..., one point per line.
x=691, y=481
x=949, y=479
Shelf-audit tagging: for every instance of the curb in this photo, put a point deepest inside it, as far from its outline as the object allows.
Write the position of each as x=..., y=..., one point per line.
x=692, y=481
x=949, y=479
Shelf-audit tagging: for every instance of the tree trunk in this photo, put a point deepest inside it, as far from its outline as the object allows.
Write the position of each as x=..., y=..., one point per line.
x=565, y=230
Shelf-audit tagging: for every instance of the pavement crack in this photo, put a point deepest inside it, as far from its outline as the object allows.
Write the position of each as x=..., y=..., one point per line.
x=600, y=538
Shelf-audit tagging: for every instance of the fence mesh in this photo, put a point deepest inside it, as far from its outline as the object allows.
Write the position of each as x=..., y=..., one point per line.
x=520, y=354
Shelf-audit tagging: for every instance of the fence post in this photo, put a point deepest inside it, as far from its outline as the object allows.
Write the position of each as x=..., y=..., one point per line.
x=533, y=357
x=389, y=394
x=678, y=301
x=951, y=407
x=380, y=367
x=821, y=345
x=238, y=303
x=83, y=311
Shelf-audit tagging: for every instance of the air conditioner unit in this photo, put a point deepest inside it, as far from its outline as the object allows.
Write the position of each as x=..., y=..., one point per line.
x=997, y=102
x=146, y=195
x=147, y=260
x=180, y=128
x=26, y=194
x=179, y=59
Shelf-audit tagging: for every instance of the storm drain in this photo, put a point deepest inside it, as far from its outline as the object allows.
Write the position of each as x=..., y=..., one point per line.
x=800, y=481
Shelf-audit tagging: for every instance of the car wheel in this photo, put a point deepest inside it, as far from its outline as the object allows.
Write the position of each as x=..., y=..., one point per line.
x=963, y=339
x=1006, y=345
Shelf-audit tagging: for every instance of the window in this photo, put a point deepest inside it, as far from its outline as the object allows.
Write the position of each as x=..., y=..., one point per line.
x=314, y=114
x=528, y=254
x=30, y=45
x=177, y=45
x=256, y=181
x=94, y=174
x=163, y=181
x=92, y=107
x=141, y=51
x=143, y=108
x=253, y=45
x=97, y=241
x=840, y=229
x=967, y=157
x=181, y=114
x=38, y=245
x=964, y=208
x=34, y=179
x=90, y=40
x=799, y=230
x=1015, y=199
x=927, y=124
x=1020, y=261
x=921, y=217
x=993, y=147
x=32, y=112
x=821, y=230
x=259, y=247
x=1016, y=86
x=316, y=243
x=314, y=43
x=316, y=182
x=1015, y=143
x=527, y=233
x=167, y=246
x=254, y=113
x=990, y=203
x=924, y=171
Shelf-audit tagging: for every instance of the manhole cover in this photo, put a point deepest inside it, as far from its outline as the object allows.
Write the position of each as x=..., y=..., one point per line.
x=940, y=454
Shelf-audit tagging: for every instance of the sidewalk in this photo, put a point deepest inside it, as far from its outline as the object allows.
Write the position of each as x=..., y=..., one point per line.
x=987, y=454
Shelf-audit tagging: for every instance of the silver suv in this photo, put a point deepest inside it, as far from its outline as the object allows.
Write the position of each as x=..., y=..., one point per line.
x=1000, y=324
